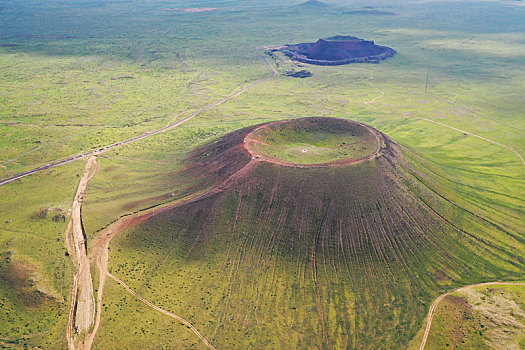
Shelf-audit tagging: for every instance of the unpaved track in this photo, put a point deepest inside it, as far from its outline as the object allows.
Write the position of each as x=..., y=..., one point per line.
x=453, y=103
x=167, y=313
x=479, y=137
x=370, y=82
x=434, y=305
x=82, y=295
x=148, y=134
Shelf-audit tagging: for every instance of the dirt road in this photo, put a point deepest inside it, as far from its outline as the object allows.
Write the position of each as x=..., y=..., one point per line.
x=147, y=134
x=434, y=305
x=479, y=137
x=82, y=295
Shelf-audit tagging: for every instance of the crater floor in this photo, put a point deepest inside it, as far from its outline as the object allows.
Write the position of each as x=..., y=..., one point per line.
x=313, y=142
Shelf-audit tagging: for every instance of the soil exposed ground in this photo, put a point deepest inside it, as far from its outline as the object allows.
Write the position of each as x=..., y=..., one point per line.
x=338, y=50
x=348, y=254
x=82, y=310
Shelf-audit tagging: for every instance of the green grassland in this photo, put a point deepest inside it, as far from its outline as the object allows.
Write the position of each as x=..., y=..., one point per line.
x=35, y=273
x=85, y=74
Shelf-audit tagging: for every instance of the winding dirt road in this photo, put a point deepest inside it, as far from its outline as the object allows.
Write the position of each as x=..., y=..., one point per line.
x=434, y=305
x=100, y=251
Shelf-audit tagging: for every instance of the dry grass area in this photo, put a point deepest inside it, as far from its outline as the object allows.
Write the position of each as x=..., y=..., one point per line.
x=482, y=317
x=501, y=313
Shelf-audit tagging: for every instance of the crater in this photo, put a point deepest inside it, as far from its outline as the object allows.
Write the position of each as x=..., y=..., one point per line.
x=338, y=50
x=313, y=142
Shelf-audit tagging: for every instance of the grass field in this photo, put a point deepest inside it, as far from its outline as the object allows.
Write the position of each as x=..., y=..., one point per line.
x=79, y=75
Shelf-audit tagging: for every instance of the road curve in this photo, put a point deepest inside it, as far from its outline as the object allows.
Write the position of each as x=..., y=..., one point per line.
x=147, y=134
x=434, y=305
x=100, y=246
x=167, y=313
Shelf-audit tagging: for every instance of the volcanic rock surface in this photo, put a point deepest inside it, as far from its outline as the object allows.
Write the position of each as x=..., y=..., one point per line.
x=338, y=50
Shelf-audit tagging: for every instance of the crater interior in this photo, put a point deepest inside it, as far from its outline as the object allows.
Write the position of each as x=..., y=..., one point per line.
x=313, y=142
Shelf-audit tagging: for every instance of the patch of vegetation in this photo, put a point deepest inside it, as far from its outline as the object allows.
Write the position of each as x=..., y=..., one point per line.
x=18, y=279
x=29, y=314
x=456, y=326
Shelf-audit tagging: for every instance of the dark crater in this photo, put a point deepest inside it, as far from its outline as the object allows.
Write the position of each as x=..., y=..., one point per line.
x=313, y=4
x=370, y=12
x=337, y=50
x=298, y=74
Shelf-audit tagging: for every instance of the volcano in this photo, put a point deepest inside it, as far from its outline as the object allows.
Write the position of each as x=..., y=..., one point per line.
x=308, y=233
x=313, y=4
x=338, y=50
